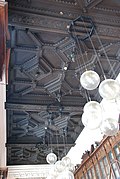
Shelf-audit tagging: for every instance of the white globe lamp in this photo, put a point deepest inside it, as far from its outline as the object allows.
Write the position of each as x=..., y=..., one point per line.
x=71, y=167
x=110, y=126
x=90, y=80
x=92, y=106
x=51, y=158
x=92, y=120
x=66, y=175
x=110, y=107
x=59, y=166
x=66, y=161
x=109, y=89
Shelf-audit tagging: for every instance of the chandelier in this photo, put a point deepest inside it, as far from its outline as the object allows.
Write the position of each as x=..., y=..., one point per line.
x=61, y=168
x=95, y=114
x=102, y=115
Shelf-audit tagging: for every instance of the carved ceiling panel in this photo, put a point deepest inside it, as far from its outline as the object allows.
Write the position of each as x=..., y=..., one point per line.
x=45, y=99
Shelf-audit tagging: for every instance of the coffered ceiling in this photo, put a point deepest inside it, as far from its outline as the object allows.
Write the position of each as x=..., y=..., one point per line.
x=44, y=96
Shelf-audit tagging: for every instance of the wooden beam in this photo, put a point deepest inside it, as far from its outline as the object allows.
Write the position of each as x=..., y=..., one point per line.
x=35, y=145
x=25, y=107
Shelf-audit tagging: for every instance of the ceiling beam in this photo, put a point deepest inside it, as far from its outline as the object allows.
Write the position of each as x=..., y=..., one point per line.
x=44, y=23
x=35, y=145
x=26, y=107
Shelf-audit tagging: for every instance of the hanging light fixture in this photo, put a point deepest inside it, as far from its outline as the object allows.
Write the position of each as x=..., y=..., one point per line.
x=52, y=174
x=92, y=120
x=92, y=116
x=92, y=106
x=59, y=166
x=71, y=167
x=51, y=158
x=109, y=89
x=90, y=80
x=110, y=107
x=110, y=126
x=66, y=175
x=66, y=161
x=62, y=169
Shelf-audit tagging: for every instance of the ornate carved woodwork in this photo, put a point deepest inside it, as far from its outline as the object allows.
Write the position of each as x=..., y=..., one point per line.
x=44, y=101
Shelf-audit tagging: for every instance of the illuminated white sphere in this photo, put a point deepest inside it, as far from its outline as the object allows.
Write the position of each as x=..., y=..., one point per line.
x=109, y=126
x=51, y=158
x=66, y=175
x=59, y=166
x=53, y=172
x=92, y=106
x=90, y=80
x=109, y=89
x=71, y=167
x=110, y=107
x=66, y=161
x=92, y=120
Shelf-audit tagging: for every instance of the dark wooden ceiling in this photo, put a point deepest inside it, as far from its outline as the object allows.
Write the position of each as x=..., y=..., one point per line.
x=45, y=101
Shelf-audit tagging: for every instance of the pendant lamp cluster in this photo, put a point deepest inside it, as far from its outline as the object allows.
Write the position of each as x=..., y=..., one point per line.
x=97, y=115
x=104, y=115
x=61, y=169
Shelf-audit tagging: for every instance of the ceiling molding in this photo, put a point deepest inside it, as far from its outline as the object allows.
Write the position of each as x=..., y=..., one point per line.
x=39, y=22
x=23, y=107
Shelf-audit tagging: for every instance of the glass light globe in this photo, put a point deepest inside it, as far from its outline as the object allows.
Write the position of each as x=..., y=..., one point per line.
x=92, y=106
x=90, y=80
x=71, y=167
x=109, y=126
x=110, y=107
x=109, y=89
x=66, y=161
x=51, y=158
x=53, y=172
x=59, y=166
x=92, y=120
